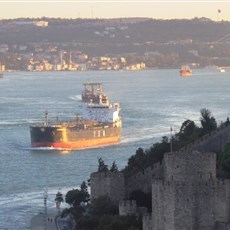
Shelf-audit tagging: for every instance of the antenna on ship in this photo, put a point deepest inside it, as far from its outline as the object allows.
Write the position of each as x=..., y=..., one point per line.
x=46, y=118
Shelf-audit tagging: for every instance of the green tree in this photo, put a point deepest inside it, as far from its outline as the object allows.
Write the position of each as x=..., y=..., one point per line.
x=78, y=197
x=87, y=223
x=223, y=162
x=114, y=167
x=137, y=161
x=188, y=127
x=109, y=222
x=208, y=122
x=84, y=190
x=102, y=167
x=103, y=205
x=188, y=133
x=118, y=222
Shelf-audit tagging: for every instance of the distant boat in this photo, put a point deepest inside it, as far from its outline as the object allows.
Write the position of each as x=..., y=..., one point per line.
x=185, y=71
x=221, y=70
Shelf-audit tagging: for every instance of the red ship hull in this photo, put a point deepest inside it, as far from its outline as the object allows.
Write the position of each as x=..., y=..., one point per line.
x=74, y=137
x=185, y=73
x=83, y=144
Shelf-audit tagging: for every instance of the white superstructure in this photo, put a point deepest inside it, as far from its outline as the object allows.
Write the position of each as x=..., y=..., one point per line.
x=103, y=111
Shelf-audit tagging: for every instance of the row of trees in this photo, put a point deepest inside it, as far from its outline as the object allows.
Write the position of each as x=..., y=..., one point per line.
x=188, y=133
x=98, y=214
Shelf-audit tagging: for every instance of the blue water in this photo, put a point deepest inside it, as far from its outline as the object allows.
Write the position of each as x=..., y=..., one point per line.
x=152, y=101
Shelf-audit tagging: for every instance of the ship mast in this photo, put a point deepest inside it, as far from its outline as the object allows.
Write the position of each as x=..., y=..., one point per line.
x=46, y=118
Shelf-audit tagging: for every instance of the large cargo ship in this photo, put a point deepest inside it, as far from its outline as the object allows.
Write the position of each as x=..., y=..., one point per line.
x=98, y=125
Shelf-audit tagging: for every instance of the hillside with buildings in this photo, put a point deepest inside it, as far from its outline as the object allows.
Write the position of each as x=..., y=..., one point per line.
x=110, y=44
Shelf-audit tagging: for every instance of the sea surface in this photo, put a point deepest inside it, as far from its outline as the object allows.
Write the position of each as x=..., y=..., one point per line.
x=152, y=101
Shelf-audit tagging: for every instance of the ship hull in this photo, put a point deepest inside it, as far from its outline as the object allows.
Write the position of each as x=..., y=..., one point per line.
x=185, y=73
x=72, y=138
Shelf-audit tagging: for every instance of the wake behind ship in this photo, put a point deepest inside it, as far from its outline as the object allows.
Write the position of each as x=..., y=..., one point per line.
x=100, y=124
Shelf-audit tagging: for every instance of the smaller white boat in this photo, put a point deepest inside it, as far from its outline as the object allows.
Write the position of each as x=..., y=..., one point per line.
x=221, y=70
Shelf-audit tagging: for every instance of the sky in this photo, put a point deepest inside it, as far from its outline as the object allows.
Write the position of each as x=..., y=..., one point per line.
x=164, y=9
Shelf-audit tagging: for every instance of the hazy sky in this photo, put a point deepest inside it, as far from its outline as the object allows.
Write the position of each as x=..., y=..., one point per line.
x=118, y=8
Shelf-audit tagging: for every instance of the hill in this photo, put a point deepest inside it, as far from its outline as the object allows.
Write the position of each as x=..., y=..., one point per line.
x=199, y=40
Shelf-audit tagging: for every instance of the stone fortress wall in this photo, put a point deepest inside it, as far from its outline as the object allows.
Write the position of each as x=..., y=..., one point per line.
x=142, y=180
x=127, y=207
x=190, y=196
x=117, y=187
x=184, y=166
x=185, y=191
x=212, y=142
x=111, y=184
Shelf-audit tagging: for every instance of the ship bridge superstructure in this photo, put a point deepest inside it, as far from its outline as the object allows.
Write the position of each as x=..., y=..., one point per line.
x=104, y=111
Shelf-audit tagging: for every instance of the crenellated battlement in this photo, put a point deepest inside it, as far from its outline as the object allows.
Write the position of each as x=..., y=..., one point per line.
x=191, y=192
x=143, y=180
x=111, y=184
x=103, y=175
x=211, y=142
x=127, y=207
x=128, y=203
x=212, y=183
x=189, y=166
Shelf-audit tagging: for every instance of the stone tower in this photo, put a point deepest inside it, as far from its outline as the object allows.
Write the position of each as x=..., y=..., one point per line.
x=108, y=183
x=190, y=197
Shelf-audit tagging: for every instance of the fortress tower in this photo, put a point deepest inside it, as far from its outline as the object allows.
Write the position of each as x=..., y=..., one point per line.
x=127, y=207
x=190, y=197
x=108, y=183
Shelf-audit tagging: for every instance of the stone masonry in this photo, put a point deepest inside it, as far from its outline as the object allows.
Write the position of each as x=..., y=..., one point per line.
x=108, y=183
x=186, y=195
x=190, y=197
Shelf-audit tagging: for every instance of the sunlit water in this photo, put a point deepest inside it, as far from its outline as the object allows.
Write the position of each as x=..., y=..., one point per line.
x=152, y=101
